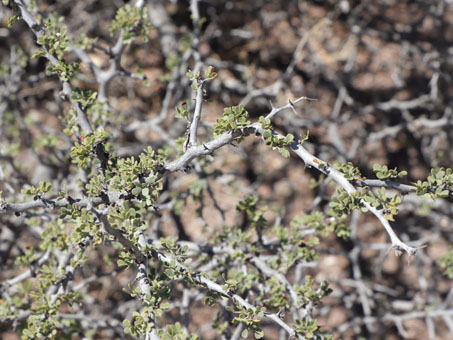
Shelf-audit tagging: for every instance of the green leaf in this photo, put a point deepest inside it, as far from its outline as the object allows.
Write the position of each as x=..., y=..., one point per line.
x=289, y=138
x=284, y=152
x=13, y=20
x=259, y=334
x=38, y=54
x=136, y=191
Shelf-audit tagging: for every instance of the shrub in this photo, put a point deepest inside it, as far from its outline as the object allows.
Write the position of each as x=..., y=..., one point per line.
x=127, y=219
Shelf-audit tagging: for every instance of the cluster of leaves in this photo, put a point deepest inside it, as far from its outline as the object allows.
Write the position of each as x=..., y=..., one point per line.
x=308, y=328
x=296, y=246
x=84, y=42
x=86, y=230
x=349, y=171
x=308, y=294
x=343, y=203
x=88, y=101
x=84, y=153
x=156, y=301
x=389, y=205
x=155, y=305
x=128, y=219
x=43, y=321
x=273, y=139
x=277, y=298
x=86, y=98
x=209, y=74
x=323, y=225
x=182, y=110
x=255, y=215
x=9, y=309
x=132, y=22
x=43, y=188
x=240, y=282
x=250, y=318
x=13, y=6
x=383, y=172
x=234, y=119
x=438, y=184
x=138, y=175
x=141, y=323
x=55, y=235
x=55, y=37
x=175, y=332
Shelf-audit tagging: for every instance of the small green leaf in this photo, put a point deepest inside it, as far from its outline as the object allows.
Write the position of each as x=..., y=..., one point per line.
x=289, y=138
x=284, y=152
x=136, y=191
x=38, y=54
x=259, y=334
x=377, y=167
